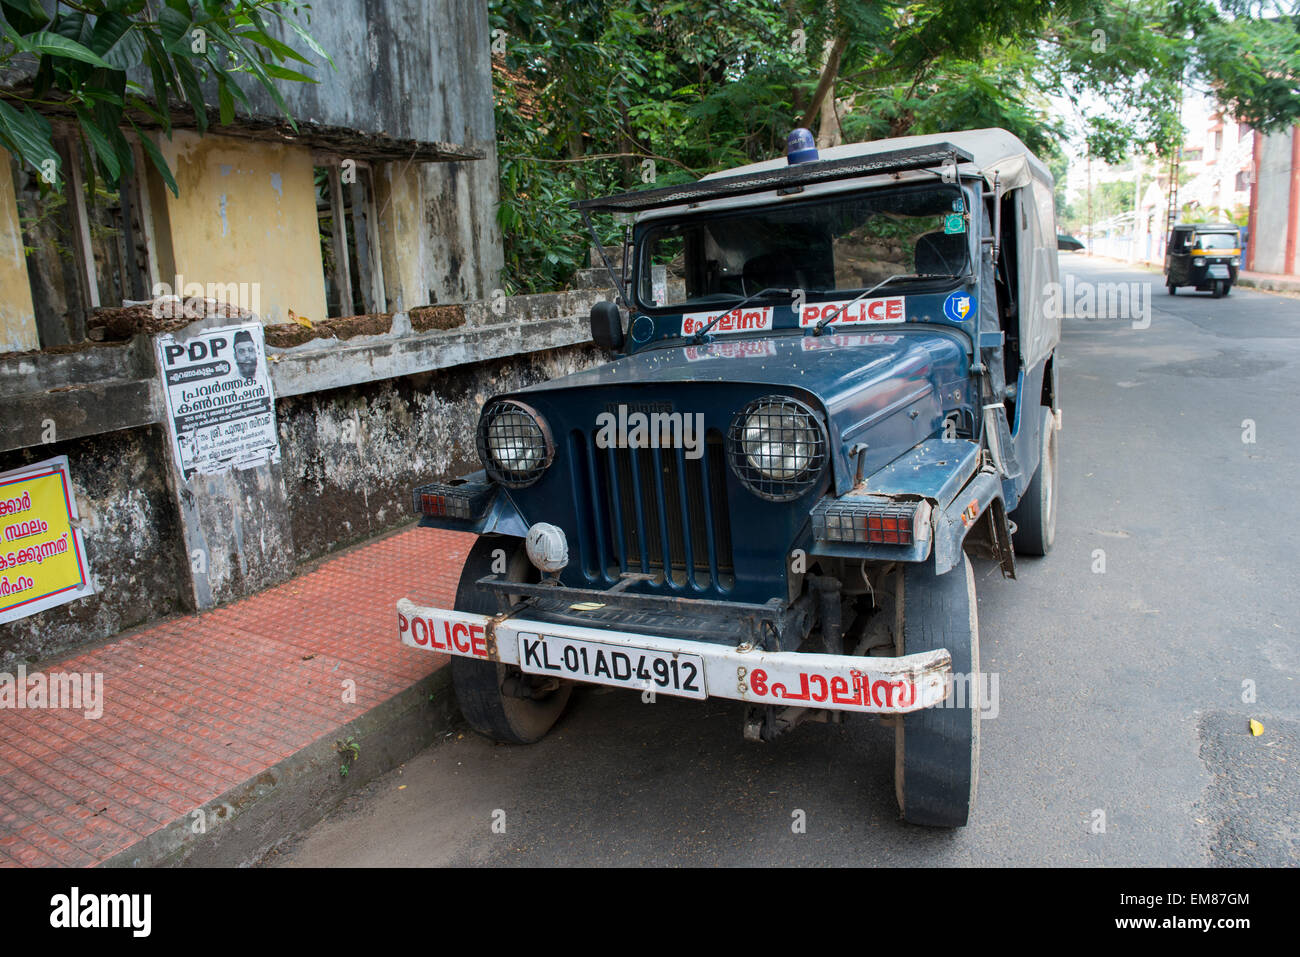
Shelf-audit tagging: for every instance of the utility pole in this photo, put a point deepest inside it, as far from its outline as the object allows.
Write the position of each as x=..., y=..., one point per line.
x=1171, y=210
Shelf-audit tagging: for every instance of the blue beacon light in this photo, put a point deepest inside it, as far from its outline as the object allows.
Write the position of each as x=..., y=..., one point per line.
x=800, y=147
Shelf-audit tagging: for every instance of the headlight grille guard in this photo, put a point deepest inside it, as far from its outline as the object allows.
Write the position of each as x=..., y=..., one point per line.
x=787, y=487
x=516, y=436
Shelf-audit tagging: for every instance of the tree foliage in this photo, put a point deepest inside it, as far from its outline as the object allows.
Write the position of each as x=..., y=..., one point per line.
x=87, y=56
x=597, y=95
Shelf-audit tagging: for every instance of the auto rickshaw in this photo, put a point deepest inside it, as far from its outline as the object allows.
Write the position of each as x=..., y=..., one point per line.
x=1204, y=255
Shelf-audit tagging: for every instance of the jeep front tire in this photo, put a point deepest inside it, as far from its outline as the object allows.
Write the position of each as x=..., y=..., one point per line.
x=937, y=749
x=498, y=700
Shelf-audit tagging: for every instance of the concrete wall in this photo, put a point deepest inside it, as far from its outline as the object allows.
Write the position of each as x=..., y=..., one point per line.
x=350, y=457
x=132, y=544
x=438, y=234
x=361, y=422
x=410, y=69
x=246, y=213
x=407, y=72
x=398, y=192
x=17, y=315
x=1270, y=227
x=407, y=69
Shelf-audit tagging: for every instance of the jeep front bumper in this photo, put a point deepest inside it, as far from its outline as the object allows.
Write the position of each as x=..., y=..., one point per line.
x=683, y=668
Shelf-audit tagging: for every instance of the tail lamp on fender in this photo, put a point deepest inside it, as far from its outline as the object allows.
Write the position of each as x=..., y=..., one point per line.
x=865, y=520
x=459, y=498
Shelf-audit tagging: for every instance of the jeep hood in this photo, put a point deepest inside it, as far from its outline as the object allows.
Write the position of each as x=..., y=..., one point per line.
x=887, y=391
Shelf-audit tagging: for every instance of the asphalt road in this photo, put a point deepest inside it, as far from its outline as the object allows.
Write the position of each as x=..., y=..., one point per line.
x=1124, y=695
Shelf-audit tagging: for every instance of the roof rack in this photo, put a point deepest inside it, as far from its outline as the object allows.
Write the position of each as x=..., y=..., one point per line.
x=785, y=177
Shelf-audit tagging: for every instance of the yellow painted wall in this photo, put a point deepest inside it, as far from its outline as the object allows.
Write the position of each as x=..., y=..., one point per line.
x=246, y=213
x=17, y=315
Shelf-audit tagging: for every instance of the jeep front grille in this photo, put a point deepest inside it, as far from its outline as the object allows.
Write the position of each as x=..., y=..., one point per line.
x=655, y=512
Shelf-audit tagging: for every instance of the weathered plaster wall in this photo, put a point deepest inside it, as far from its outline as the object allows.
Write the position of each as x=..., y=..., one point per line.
x=237, y=533
x=415, y=70
x=438, y=234
x=463, y=255
x=17, y=315
x=132, y=544
x=246, y=213
x=401, y=235
x=350, y=457
x=408, y=69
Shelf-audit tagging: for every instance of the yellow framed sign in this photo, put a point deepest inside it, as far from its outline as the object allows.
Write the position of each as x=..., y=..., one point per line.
x=42, y=555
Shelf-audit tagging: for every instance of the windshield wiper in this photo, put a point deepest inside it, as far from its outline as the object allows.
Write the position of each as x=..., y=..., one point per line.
x=699, y=336
x=817, y=330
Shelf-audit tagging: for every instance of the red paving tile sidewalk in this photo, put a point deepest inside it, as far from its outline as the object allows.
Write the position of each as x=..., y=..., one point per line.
x=198, y=705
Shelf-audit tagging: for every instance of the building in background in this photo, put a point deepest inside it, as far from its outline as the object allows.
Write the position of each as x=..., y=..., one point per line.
x=1227, y=172
x=384, y=198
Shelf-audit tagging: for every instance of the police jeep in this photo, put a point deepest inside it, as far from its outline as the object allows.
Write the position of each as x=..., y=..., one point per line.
x=833, y=380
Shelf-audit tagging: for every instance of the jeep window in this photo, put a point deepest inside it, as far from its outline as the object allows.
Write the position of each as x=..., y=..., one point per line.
x=837, y=244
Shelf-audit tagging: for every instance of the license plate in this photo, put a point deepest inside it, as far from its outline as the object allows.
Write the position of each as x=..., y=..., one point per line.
x=1218, y=272
x=678, y=674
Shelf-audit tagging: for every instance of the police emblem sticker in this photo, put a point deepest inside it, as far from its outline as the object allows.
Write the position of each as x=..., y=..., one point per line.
x=959, y=307
x=954, y=223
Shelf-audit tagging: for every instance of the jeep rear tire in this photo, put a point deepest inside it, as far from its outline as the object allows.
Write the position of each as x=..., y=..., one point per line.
x=937, y=750
x=489, y=709
x=1035, y=515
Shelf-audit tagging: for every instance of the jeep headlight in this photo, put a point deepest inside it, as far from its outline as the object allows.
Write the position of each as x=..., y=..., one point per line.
x=513, y=443
x=777, y=447
x=1198, y=261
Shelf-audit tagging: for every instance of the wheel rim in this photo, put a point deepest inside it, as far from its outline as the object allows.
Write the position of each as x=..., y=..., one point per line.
x=524, y=708
x=520, y=569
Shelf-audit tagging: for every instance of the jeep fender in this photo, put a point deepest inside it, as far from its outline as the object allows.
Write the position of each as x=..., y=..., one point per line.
x=979, y=509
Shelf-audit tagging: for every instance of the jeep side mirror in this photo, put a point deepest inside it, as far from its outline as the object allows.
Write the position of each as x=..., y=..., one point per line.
x=607, y=326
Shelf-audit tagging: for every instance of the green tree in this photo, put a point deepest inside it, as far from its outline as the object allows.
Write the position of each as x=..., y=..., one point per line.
x=594, y=96
x=587, y=91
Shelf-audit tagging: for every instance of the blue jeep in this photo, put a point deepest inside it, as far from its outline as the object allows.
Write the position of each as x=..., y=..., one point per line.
x=833, y=380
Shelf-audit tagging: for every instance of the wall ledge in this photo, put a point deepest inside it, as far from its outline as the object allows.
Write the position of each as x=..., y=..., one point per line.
x=111, y=386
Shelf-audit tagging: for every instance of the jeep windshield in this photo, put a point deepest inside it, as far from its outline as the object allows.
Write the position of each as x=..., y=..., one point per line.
x=836, y=244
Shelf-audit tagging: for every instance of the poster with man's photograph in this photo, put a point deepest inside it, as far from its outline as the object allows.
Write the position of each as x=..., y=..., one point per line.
x=220, y=404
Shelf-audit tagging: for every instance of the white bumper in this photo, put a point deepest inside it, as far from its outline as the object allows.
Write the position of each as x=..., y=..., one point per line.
x=835, y=682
